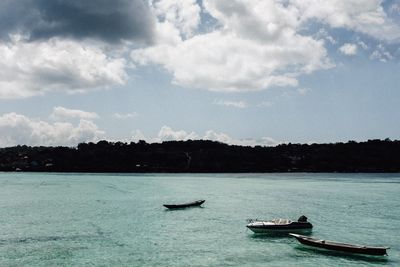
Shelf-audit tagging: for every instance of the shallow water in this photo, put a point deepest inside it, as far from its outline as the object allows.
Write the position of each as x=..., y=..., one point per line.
x=118, y=220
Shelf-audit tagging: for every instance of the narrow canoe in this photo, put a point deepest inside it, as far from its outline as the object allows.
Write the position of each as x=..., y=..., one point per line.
x=343, y=247
x=185, y=205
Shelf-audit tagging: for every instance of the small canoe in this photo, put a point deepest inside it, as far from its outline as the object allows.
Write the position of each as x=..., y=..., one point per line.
x=185, y=205
x=343, y=247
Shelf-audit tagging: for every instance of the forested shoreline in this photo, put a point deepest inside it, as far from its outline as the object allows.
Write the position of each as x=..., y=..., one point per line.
x=199, y=156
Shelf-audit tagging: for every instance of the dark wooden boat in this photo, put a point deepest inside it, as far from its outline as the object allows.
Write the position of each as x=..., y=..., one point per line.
x=343, y=247
x=280, y=226
x=185, y=205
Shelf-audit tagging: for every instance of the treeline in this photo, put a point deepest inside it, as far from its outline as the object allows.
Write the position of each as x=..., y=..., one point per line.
x=204, y=156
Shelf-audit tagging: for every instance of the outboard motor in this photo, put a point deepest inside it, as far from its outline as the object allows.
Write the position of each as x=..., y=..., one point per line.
x=302, y=218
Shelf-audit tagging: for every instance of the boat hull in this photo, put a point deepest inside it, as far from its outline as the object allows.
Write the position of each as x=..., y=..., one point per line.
x=186, y=205
x=260, y=228
x=342, y=247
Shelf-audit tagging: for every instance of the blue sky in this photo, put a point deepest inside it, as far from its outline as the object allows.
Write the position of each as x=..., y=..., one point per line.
x=256, y=72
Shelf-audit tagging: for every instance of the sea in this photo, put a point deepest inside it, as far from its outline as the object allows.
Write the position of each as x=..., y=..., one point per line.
x=75, y=219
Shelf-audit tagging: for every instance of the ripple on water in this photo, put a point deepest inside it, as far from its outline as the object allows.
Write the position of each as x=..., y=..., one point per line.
x=119, y=220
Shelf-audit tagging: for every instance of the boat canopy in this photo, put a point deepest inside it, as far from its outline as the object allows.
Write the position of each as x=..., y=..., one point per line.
x=280, y=221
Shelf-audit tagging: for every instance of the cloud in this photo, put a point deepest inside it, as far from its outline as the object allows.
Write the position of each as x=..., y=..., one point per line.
x=395, y=8
x=256, y=46
x=33, y=68
x=363, y=45
x=348, y=49
x=110, y=21
x=17, y=129
x=303, y=91
x=168, y=134
x=60, y=113
x=250, y=45
x=121, y=116
x=183, y=15
x=224, y=138
x=323, y=33
x=380, y=53
x=71, y=46
x=365, y=16
x=137, y=135
x=227, y=103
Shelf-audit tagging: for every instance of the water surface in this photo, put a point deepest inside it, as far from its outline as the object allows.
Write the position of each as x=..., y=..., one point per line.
x=118, y=220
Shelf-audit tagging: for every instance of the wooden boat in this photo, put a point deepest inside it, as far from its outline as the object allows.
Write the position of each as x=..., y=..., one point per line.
x=280, y=225
x=343, y=247
x=185, y=205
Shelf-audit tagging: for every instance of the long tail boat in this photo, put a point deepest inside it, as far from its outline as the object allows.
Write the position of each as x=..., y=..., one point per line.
x=343, y=247
x=185, y=205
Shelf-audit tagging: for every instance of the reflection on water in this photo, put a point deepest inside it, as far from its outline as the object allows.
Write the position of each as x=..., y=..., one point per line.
x=180, y=209
x=272, y=235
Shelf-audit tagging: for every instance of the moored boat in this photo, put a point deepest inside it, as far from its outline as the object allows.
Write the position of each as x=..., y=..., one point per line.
x=185, y=205
x=280, y=225
x=343, y=247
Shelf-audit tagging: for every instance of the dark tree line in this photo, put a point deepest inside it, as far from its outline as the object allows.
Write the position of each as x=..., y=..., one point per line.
x=205, y=156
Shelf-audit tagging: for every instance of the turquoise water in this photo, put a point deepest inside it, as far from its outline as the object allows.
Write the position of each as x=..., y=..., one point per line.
x=118, y=220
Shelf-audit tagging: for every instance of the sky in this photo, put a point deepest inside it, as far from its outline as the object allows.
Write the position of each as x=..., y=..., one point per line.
x=245, y=72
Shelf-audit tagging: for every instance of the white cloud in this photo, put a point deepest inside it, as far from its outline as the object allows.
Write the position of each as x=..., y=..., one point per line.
x=256, y=44
x=32, y=68
x=241, y=55
x=122, y=116
x=138, y=135
x=330, y=39
x=183, y=15
x=220, y=137
x=18, y=129
x=323, y=33
x=168, y=134
x=395, y=8
x=60, y=113
x=303, y=91
x=235, y=104
x=363, y=45
x=224, y=138
x=348, y=49
x=365, y=16
x=380, y=53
